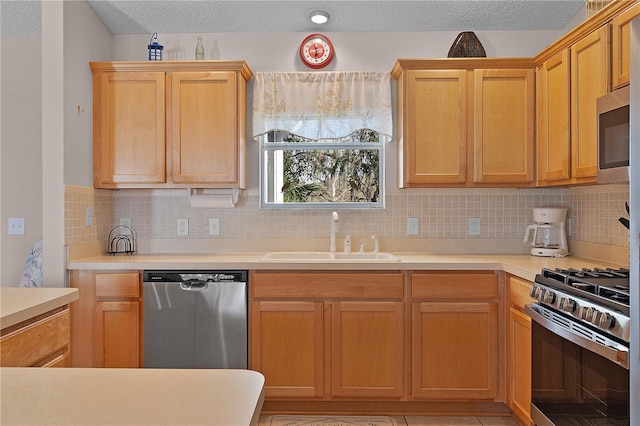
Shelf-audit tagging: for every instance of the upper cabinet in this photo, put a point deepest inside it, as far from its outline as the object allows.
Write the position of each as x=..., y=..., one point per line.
x=620, y=46
x=465, y=122
x=169, y=124
x=569, y=82
x=571, y=74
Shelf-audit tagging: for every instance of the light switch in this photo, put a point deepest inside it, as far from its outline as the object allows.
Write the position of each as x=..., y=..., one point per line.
x=214, y=226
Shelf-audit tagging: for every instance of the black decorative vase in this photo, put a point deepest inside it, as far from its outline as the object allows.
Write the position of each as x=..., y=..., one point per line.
x=466, y=45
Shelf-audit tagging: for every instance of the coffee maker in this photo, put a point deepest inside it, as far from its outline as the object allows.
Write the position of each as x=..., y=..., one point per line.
x=549, y=232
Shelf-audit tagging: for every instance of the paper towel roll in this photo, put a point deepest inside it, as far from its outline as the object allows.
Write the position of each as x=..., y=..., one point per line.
x=213, y=198
x=212, y=201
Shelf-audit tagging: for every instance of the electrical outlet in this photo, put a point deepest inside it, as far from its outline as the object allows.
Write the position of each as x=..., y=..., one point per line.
x=183, y=227
x=125, y=221
x=214, y=226
x=16, y=226
x=474, y=226
x=412, y=226
x=88, y=221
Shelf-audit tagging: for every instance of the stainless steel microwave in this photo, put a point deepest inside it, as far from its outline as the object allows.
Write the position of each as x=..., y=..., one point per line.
x=613, y=137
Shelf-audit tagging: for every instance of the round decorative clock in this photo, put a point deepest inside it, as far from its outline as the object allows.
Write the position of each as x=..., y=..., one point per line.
x=316, y=51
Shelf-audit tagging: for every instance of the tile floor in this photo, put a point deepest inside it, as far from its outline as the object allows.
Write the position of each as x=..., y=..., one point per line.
x=442, y=421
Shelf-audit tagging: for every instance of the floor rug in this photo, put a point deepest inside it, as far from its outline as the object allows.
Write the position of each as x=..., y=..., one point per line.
x=281, y=420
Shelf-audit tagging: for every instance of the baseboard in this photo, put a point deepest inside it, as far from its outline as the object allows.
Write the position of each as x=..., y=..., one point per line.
x=387, y=408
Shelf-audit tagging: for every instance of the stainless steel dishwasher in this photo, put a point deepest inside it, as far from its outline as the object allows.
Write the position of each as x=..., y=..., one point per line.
x=195, y=319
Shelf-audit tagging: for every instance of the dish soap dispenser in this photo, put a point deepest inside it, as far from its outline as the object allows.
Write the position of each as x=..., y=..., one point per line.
x=347, y=244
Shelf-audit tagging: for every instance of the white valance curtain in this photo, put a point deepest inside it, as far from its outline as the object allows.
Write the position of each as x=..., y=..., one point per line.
x=322, y=105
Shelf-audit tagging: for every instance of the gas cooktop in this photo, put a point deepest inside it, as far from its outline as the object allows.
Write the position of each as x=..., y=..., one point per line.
x=599, y=285
x=596, y=297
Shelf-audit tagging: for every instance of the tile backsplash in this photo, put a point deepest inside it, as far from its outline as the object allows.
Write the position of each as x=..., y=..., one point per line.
x=442, y=214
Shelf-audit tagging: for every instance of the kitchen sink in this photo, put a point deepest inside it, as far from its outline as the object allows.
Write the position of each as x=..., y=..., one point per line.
x=324, y=255
x=366, y=256
x=298, y=255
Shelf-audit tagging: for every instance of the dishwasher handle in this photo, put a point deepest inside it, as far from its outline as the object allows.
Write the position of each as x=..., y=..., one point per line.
x=194, y=285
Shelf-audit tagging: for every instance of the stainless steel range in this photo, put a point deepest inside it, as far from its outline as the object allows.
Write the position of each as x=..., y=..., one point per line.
x=580, y=347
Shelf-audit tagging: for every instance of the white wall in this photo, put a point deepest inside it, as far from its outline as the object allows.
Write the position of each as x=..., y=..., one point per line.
x=21, y=159
x=86, y=39
x=35, y=166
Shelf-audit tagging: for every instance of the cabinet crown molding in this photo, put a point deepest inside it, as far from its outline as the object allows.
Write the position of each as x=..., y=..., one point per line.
x=169, y=66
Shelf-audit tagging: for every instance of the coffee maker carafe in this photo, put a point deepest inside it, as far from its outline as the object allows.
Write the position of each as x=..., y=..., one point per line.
x=549, y=232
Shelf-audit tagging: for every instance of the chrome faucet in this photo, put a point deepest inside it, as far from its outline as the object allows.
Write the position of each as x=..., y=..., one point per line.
x=334, y=229
x=376, y=244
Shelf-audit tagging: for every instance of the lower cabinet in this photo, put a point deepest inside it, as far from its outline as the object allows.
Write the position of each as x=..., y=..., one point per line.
x=107, y=319
x=42, y=341
x=519, y=350
x=325, y=335
x=455, y=325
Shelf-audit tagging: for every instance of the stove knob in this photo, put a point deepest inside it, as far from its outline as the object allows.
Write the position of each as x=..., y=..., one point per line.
x=568, y=305
x=595, y=318
x=587, y=313
x=548, y=297
x=535, y=292
x=607, y=321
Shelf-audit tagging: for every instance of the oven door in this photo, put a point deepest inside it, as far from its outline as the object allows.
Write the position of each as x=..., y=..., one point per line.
x=578, y=376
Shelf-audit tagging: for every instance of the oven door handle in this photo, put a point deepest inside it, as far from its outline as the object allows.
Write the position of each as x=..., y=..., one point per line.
x=620, y=357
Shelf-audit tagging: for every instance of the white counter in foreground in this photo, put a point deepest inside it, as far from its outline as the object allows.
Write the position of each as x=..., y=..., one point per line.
x=107, y=396
x=20, y=304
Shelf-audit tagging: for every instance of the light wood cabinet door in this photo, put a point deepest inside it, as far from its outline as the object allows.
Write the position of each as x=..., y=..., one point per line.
x=465, y=122
x=620, y=46
x=106, y=322
x=117, y=334
x=287, y=347
x=554, y=120
x=128, y=128
x=519, y=364
x=519, y=349
x=367, y=342
x=204, y=117
x=589, y=81
x=504, y=126
x=435, y=127
x=455, y=350
x=170, y=124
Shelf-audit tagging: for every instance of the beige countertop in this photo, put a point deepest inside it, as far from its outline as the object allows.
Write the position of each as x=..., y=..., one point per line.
x=131, y=396
x=522, y=265
x=20, y=304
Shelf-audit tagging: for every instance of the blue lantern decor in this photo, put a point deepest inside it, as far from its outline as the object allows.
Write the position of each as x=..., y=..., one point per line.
x=155, y=48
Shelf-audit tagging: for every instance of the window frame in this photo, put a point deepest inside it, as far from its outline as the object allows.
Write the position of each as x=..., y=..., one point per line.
x=267, y=146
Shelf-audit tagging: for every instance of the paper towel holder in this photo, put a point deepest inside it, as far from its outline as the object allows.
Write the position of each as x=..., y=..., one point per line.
x=213, y=198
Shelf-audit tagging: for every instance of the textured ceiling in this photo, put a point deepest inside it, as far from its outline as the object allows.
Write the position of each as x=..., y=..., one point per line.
x=211, y=16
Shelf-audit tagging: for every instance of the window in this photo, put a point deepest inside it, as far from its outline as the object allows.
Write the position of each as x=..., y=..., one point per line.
x=322, y=138
x=339, y=173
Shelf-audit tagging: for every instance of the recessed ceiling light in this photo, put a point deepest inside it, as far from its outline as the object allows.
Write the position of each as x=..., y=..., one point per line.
x=319, y=17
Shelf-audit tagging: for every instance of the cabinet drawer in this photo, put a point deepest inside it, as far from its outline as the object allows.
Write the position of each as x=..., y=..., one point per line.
x=519, y=292
x=118, y=285
x=28, y=345
x=454, y=285
x=327, y=285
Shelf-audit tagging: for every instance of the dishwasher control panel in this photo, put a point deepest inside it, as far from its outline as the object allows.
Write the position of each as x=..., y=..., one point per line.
x=196, y=275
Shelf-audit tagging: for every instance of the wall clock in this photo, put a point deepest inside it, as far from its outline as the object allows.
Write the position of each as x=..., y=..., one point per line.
x=316, y=51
